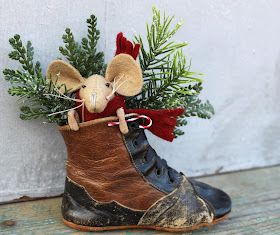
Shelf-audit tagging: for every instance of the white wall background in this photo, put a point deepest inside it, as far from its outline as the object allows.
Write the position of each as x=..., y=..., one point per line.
x=235, y=43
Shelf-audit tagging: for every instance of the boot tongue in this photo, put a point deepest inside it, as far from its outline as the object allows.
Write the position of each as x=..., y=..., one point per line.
x=135, y=125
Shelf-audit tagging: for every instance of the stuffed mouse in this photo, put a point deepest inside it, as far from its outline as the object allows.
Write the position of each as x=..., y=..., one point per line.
x=99, y=97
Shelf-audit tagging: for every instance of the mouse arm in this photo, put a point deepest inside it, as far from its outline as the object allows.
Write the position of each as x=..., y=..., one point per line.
x=73, y=120
x=122, y=122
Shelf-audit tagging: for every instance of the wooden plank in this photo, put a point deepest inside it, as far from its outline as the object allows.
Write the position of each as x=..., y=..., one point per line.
x=256, y=209
x=256, y=202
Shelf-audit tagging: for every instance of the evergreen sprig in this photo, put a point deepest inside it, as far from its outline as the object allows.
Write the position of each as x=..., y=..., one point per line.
x=84, y=56
x=168, y=81
x=38, y=96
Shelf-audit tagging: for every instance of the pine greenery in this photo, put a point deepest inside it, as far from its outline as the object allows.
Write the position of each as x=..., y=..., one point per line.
x=84, y=56
x=32, y=88
x=38, y=96
x=168, y=81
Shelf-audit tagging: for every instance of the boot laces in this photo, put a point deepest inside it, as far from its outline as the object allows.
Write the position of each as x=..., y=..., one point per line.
x=157, y=163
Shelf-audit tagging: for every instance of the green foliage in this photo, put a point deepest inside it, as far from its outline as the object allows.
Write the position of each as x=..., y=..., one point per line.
x=84, y=57
x=38, y=97
x=168, y=81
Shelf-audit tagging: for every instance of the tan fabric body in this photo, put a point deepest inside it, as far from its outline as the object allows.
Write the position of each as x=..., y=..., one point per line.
x=99, y=161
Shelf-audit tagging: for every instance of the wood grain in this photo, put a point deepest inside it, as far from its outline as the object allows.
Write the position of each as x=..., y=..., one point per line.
x=256, y=209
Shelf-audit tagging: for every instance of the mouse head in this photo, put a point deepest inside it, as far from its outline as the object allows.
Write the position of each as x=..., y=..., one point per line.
x=123, y=76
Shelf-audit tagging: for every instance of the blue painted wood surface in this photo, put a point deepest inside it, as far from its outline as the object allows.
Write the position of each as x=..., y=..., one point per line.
x=256, y=209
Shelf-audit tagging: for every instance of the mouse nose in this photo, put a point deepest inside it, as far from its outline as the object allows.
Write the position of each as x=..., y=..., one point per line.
x=93, y=100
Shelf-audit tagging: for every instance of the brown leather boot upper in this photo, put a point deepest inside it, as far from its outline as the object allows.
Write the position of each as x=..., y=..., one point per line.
x=99, y=161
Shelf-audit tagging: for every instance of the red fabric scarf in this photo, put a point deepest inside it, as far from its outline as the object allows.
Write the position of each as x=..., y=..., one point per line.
x=164, y=120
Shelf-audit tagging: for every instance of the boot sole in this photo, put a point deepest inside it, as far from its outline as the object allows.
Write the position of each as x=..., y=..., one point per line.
x=174, y=230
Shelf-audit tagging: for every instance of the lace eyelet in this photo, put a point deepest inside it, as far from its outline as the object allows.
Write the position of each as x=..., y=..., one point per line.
x=135, y=143
x=157, y=172
x=171, y=181
x=144, y=159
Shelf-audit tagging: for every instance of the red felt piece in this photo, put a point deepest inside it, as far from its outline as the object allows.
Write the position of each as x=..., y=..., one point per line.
x=129, y=48
x=118, y=43
x=125, y=46
x=136, y=51
x=164, y=121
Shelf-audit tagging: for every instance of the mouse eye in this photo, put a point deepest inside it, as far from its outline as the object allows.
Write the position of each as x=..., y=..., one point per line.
x=84, y=86
x=107, y=84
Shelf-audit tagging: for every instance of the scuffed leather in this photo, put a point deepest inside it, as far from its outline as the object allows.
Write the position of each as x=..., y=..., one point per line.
x=218, y=199
x=99, y=161
x=79, y=208
x=180, y=209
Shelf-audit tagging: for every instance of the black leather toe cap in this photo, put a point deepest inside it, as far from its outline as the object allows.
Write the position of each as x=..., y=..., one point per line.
x=219, y=200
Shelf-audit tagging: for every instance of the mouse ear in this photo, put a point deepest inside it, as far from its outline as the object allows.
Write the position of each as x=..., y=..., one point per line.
x=61, y=73
x=126, y=73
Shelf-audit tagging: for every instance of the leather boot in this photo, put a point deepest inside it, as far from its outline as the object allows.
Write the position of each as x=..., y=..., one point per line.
x=117, y=181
